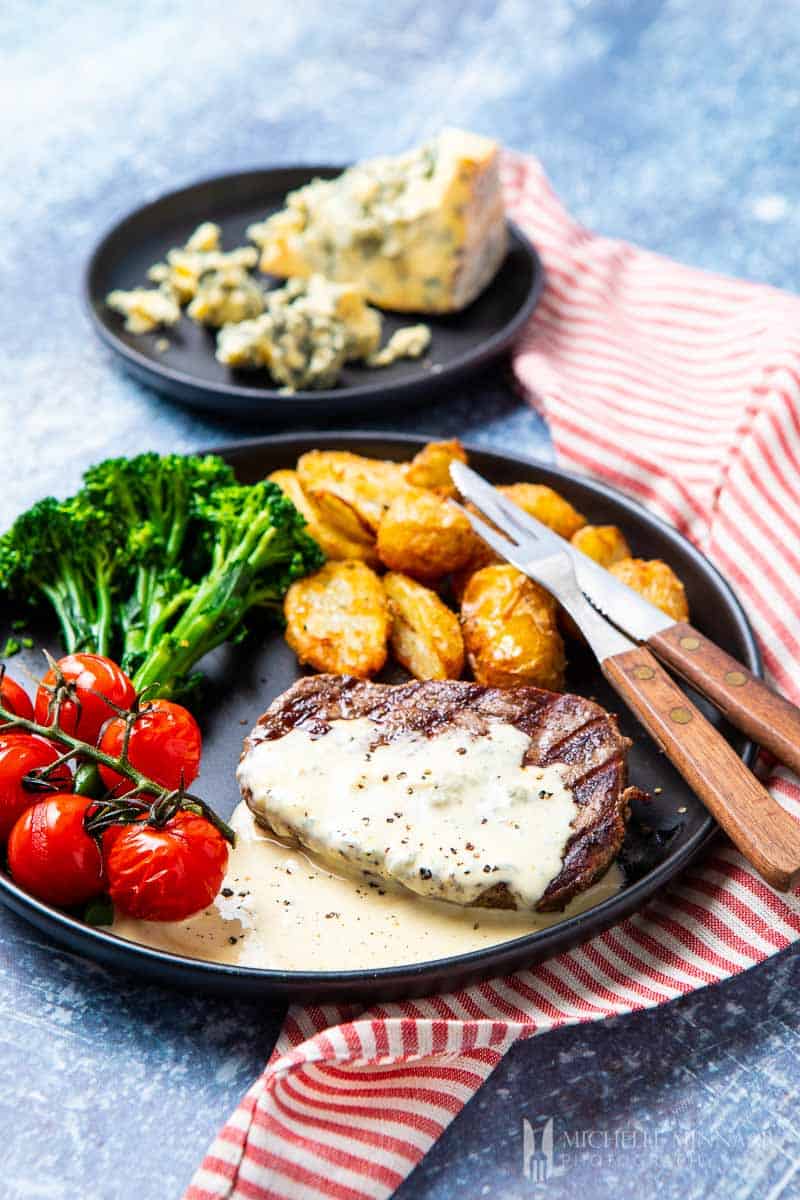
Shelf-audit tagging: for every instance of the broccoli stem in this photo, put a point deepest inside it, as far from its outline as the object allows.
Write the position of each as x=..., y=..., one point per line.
x=212, y=617
x=61, y=610
x=105, y=616
x=86, y=625
x=218, y=605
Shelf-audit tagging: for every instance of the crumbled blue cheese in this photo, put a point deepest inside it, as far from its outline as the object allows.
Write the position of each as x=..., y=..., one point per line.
x=145, y=309
x=205, y=238
x=186, y=265
x=409, y=342
x=309, y=330
x=225, y=296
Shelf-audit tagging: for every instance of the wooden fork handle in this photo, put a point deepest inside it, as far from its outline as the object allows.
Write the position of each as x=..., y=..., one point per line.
x=747, y=702
x=766, y=835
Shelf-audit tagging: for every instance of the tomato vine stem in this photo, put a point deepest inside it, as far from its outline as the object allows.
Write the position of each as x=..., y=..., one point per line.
x=110, y=810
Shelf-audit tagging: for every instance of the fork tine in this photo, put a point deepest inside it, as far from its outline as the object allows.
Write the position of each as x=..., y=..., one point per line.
x=483, y=495
x=533, y=527
x=500, y=508
x=498, y=541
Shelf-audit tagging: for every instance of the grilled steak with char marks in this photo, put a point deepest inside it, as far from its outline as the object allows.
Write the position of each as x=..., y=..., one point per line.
x=565, y=729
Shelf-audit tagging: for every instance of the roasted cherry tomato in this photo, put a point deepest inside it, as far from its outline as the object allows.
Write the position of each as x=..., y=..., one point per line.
x=21, y=753
x=51, y=855
x=16, y=698
x=165, y=744
x=165, y=874
x=94, y=677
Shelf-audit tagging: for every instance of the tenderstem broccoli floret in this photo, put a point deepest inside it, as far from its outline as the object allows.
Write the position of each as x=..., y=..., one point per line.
x=67, y=551
x=258, y=546
x=154, y=500
x=157, y=561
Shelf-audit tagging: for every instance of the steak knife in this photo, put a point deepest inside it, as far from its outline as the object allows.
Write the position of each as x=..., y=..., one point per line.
x=747, y=702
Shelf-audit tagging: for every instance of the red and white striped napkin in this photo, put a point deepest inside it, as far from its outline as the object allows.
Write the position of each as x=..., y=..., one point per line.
x=682, y=389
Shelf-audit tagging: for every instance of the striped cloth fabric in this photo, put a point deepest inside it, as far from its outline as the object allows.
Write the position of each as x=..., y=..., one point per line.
x=682, y=389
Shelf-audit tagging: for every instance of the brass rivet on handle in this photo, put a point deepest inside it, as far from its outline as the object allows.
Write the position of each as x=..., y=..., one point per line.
x=736, y=678
x=690, y=643
x=680, y=715
x=643, y=672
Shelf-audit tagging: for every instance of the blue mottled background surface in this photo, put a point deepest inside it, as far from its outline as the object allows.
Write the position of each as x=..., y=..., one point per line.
x=674, y=124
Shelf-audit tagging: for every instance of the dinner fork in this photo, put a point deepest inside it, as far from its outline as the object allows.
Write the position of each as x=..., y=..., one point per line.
x=765, y=833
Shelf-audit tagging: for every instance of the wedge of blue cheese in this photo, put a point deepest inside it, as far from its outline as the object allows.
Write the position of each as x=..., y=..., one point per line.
x=421, y=232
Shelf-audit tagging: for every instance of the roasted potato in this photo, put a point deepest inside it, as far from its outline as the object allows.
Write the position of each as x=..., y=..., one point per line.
x=424, y=536
x=510, y=631
x=352, y=491
x=657, y=582
x=426, y=636
x=482, y=556
x=338, y=619
x=604, y=543
x=333, y=541
x=431, y=467
x=547, y=506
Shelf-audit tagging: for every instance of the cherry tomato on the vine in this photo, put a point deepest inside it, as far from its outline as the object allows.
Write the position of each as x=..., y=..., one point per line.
x=94, y=678
x=51, y=855
x=21, y=753
x=165, y=745
x=167, y=873
x=16, y=698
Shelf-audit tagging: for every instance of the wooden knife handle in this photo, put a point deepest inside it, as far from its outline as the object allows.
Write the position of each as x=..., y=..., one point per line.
x=747, y=702
x=766, y=835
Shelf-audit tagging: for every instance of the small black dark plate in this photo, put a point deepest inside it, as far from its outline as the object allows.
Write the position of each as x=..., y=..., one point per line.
x=189, y=371
x=665, y=834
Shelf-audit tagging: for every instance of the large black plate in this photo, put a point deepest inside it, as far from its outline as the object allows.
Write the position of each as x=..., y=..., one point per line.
x=188, y=370
x=243, y=680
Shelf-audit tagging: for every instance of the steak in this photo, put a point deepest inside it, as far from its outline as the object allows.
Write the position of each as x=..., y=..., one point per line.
x=562, y=728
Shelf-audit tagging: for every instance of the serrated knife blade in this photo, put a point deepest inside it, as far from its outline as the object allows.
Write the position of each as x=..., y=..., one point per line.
x=624, y=607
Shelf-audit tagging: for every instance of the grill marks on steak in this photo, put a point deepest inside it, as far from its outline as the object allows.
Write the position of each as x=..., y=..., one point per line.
x=562, y=728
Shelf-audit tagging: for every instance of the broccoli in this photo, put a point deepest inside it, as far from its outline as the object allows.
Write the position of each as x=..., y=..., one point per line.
x=158, y=560
x=257, y=545
x=68, y=552
x=153, y=501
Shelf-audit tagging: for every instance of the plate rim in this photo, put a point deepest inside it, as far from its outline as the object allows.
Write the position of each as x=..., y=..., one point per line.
x=303, y=401
x=270, y=980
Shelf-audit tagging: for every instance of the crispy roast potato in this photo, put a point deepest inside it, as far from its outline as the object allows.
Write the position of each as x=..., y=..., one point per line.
x=426, y=636
x=333, y=541
x=431, y=467
x=606, y=544
x=510, y=631
x=547, y=506
x=352, y=491
x=657, y=582
x=338, y=620
x=424, y=536
x=484, y=556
